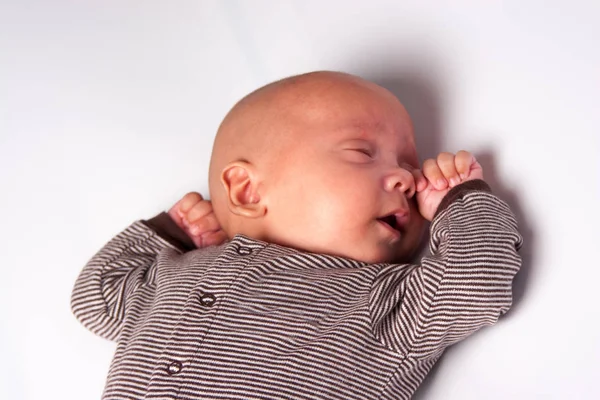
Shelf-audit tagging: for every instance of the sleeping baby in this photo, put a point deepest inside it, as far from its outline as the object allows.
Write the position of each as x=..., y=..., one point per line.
x=294, y=281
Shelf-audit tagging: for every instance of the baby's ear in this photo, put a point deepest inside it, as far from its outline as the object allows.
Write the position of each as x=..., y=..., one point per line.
x=241, y=186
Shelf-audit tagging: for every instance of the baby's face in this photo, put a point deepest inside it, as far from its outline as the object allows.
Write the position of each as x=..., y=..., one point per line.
x=345, y=167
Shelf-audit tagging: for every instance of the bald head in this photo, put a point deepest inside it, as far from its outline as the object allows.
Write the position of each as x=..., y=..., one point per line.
x=259, y=124
x=261, y=131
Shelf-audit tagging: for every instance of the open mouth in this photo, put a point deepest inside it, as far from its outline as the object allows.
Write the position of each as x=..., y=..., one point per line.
x=391, y=221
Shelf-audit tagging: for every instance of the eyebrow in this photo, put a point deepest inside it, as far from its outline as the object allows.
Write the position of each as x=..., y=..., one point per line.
x=375, y=126
x=361, y=131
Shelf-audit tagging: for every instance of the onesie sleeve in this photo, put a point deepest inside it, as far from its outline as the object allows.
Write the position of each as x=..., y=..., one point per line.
x=466, y=284
x=118, y=270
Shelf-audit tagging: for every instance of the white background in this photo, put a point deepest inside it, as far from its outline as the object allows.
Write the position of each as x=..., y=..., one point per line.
x=108, y=110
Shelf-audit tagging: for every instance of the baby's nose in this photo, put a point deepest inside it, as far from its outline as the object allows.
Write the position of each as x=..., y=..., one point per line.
x=401, y=179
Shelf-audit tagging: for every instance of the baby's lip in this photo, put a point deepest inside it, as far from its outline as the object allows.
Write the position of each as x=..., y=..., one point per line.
x=397, y=219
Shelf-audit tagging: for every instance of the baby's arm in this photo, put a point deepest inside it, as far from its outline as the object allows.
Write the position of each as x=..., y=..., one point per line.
x=419, y=310
x=124, y=264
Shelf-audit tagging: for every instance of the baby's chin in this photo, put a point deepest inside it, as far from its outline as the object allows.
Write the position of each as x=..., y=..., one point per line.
x=402, y=251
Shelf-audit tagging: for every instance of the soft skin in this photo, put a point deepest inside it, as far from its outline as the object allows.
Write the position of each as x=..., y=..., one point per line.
x=315, y=162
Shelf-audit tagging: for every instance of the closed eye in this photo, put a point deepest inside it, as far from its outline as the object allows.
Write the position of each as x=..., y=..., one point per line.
x=365, y=152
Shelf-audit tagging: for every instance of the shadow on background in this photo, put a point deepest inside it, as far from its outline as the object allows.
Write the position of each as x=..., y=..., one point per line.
x=487, y=161
x=423, y=98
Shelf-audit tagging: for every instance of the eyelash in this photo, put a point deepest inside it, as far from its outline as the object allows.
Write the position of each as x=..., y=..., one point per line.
x=365, y=152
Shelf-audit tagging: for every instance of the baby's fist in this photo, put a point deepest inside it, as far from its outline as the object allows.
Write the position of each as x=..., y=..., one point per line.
x=442, y=174
x=196, y=218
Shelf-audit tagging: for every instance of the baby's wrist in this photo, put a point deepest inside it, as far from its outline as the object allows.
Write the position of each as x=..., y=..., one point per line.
x=460, y=190
x=167, y=228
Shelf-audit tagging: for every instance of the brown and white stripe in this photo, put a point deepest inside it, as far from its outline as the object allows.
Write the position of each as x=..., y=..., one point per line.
x=252, y=320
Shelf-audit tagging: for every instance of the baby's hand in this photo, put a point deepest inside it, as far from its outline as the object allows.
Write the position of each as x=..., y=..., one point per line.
x=441, y=175
x=196, y=218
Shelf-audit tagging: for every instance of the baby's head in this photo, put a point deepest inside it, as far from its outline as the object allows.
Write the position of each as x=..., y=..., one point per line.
x=315, y=162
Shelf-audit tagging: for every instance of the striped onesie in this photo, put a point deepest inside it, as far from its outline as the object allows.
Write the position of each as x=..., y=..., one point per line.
x=254, y=320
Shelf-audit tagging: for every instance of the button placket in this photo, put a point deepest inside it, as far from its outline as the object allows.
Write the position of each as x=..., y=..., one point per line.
x=208, y=300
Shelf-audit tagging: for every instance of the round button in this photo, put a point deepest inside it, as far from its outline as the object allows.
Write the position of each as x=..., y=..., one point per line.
x=174, y=368
x=244, y=251
x=208, y=299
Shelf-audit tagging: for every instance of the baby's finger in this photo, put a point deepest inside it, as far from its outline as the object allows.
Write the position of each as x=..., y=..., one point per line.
x=214, y=238
x=420, y=180
x=432, y=172
x=177, y=216
x=199, y=210
x=207, y=223
x=209, y=239
x=446, y=163
x=463, y=162
x=188, y=201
